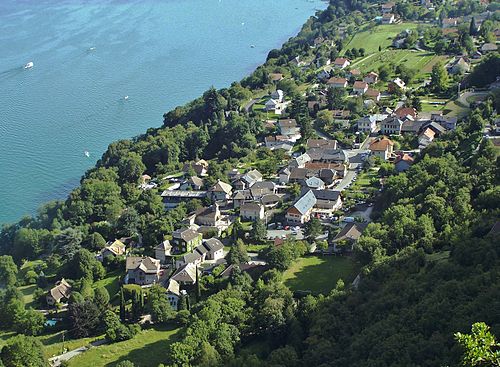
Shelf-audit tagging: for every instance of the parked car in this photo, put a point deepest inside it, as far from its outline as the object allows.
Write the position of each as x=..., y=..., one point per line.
x=349, y=219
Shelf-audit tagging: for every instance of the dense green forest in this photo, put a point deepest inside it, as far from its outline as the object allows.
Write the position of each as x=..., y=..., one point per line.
x=431, y=269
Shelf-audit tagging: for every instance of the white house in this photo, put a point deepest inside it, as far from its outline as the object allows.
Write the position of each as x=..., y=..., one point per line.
x=221, y=191
x=341, y=63
x=288, y=127
x=426, y=137
x=185, y=275
x=278, y=95
x=163, y=251
x=301, y=211
x=388, y=18
x=371, y=78
x=391, y=125
x=382, y=147
x=142, y=270
x=275, y=106
x=367, y=124
x=252, y=211
x=360, y=87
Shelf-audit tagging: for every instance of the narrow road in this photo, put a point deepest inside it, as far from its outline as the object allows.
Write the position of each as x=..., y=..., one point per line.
x=56, y=361
x=463, y=97
x=250, y=104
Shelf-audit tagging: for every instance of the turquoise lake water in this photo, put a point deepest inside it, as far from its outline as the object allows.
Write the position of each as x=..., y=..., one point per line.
x=89, y=54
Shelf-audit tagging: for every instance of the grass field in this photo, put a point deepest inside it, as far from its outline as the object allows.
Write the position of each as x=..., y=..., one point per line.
x=53, y=345
x=417, y=60
x=147, y=349
x=381, y=35
x=319, y=274
x=452, y=108
x=111, y=283
x=27, y=292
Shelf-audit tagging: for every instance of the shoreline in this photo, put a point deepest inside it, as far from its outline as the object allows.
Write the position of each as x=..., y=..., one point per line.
x=63, y=188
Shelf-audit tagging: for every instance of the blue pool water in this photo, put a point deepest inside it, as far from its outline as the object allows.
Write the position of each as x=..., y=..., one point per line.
x=89, y=54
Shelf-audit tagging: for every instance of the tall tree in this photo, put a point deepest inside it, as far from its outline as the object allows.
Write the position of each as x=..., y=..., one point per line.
x=8, y=271
x=313, y=229
x=259, y=231
x=23, y=351
x=439, y=78
x=480, y=347
x=336, y=98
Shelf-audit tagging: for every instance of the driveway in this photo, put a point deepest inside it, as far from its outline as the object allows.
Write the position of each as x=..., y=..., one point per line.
x=56, y=361
x=250, y=104
x=463, y=97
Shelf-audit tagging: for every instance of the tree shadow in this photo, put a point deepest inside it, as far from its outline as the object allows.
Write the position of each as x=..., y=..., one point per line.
x=150, y=354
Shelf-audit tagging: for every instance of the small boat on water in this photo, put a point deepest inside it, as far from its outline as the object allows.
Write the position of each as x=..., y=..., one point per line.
x=92, y=49
x=86, y=153
x=125, y=98
x=29, y=65
x=252, y=46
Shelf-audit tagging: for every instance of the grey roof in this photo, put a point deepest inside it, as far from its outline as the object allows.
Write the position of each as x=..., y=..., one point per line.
x=287, y=123
x=242, y=195
x=270, y=199
x=187, y=234
x=184, y=194
x=250, y=206
x=258, y=190
x=302, y=159
x=213, y=244
x=252, y=176
x=410, y=126
x=305, y=202
x=330, y=195
x=191, y=257
x=165, y=245
x=436, y=127
x=352, y=231
x=188, y=276
x=264, y=185
x=195, y=180
x=221, y=186
x=321, y=154
x=146, y=264
x=314, y=182
x=321, y=143
x=298, y=173
x=173, y=287
x=327, y=173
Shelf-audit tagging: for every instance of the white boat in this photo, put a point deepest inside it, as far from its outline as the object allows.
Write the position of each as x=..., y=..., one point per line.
x=125, y=98
x=92, y=49
x=87, y=154
x=29, y=65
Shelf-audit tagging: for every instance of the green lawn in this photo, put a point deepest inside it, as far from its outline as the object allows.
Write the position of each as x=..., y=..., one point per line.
x=380, y=35
x=111, y=283
x=147, y=349
x=53, y=345
x=452, y=108
x=319, y=274
x=5, y=335
x=27, y=292
x=364, y=179
x=416, y=60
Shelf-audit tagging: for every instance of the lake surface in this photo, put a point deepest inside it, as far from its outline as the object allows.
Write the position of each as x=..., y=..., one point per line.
x=89, y=54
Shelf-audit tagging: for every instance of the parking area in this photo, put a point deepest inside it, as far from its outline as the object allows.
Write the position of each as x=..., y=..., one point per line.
x=284, y=233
